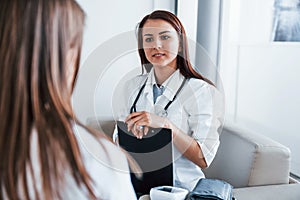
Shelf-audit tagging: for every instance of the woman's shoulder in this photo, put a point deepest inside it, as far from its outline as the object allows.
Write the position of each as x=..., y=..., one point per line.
x=197, y=84
x=202, y=87
x=100, y=149
x=106, y=164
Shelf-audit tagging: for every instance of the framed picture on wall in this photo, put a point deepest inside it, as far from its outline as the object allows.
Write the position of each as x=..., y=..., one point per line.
x=286, y=24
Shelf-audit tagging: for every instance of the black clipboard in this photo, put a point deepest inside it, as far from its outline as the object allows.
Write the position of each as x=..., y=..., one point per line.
x=154, y=154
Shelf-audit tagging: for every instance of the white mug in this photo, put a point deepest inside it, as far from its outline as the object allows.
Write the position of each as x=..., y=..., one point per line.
x=168, y=193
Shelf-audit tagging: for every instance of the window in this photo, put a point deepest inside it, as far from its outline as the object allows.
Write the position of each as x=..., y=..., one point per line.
x=286, y=26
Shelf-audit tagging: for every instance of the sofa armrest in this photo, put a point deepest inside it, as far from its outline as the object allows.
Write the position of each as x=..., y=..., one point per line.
x=245, y=158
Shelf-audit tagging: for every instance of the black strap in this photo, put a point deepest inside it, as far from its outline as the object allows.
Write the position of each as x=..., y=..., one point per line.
x=179, y=89
x=133, y=107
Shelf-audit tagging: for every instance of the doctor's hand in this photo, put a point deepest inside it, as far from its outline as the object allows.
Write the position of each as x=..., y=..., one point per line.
x=138, y=123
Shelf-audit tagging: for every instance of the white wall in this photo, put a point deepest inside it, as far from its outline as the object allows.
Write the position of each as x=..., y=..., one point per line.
x=107, y=18
x=187, y=13
x=109, y=54
x=260, y=77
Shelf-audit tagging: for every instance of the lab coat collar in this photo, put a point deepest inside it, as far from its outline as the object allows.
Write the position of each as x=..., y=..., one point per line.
x=171, y=85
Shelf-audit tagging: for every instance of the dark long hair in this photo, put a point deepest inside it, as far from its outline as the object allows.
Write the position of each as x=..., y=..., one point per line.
x=35, y=37
x=183, y=61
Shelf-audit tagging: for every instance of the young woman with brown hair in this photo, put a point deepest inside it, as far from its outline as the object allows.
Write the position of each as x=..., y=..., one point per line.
x=173, y=95
x=43, y=149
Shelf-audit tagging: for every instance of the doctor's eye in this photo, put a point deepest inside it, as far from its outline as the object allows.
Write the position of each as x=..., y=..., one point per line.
x=149, y=39
x=164, y=37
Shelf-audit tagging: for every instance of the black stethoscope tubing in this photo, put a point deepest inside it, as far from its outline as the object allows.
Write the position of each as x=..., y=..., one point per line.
x=165, y=113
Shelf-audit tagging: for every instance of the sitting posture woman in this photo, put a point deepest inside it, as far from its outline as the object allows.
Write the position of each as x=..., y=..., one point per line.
x=173, y=95
x=41, y=150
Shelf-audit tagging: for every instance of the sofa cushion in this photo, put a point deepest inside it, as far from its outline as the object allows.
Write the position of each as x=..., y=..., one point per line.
x=283, y=192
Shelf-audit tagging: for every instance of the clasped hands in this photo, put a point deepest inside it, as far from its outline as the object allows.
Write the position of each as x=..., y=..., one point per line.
x=139, y=122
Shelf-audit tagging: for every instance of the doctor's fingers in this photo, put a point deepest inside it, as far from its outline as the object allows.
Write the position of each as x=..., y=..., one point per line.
x=138, y=115
x=138, y=127
x=139, y=131
x=130, y=123
x=133, y=115
x=140, y=120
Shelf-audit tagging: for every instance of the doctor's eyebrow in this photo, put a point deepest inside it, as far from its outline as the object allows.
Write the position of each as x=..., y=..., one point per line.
x=160, y=33
x=164, y=32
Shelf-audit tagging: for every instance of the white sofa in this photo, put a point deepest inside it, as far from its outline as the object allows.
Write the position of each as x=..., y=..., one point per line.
x=257, y=166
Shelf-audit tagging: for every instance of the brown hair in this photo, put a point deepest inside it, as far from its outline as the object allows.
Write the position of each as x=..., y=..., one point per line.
x=183, y=62
x=35, y=37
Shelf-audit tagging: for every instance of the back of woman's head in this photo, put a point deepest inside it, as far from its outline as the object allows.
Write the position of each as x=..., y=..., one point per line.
x=40, y=44
x=183, y=60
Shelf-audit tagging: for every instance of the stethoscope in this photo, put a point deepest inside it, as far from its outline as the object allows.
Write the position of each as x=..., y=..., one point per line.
x=163, y=113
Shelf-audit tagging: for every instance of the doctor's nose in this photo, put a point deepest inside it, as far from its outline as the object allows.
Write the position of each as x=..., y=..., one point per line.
x=157, y=44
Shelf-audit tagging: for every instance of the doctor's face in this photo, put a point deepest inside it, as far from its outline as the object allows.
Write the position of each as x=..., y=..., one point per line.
x=160, y=43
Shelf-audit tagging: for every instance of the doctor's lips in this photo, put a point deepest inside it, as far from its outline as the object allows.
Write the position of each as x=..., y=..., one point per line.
x=158, y=55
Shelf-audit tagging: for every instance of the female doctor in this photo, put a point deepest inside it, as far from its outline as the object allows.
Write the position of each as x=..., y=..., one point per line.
x=173, y=95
